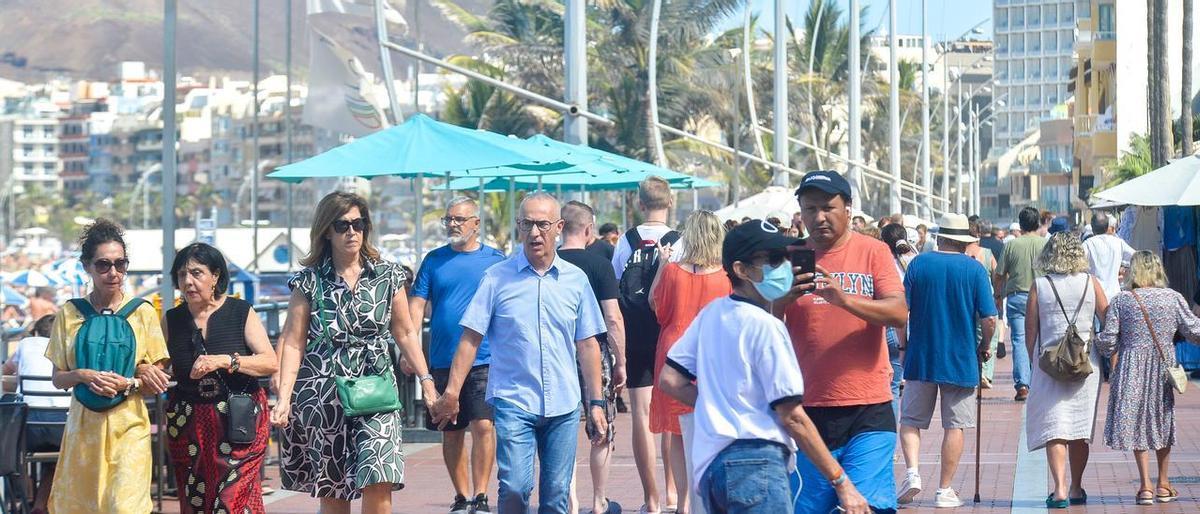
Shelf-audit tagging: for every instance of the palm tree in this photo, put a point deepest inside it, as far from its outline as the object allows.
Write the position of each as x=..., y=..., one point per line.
x=1133, y=163
x=1160, y=125
x=1185, y=118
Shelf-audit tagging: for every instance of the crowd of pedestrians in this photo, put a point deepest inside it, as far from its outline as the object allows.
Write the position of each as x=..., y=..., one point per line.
x=784, y=369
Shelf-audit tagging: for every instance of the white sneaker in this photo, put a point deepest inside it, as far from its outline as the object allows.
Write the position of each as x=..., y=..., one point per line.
x=946, y=498
x=909, y=489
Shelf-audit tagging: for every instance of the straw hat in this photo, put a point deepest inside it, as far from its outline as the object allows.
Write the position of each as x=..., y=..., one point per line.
x=956, y=227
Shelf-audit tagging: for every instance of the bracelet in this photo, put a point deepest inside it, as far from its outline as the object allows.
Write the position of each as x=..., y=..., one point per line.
x=425, y=377
x=840, y=479
x=235, y=363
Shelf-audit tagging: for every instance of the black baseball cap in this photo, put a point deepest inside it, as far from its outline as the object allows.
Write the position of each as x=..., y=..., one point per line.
x=828, y=181
x=752, y=236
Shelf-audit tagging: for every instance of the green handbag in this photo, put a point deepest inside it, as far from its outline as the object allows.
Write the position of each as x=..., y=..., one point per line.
x=368, y=394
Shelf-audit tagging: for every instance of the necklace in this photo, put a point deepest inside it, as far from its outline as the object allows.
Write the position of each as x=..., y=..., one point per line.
x=92, y=300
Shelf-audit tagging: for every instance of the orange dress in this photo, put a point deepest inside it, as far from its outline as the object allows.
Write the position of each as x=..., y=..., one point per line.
x=678, y=299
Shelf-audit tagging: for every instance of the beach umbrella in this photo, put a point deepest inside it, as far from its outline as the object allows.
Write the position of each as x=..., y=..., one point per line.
x=12, y=297
x=422, y=146
x=1177, y=183
x=33, y=278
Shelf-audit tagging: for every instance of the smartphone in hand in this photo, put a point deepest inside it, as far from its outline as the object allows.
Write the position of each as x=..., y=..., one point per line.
x=805, y=259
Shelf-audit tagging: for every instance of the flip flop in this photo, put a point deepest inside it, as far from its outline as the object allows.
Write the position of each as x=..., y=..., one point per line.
x=644, y=510
x=1171, y=495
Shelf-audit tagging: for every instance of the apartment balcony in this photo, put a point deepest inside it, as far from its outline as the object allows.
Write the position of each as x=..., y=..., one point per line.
x=1050, y=167
x=36, y=137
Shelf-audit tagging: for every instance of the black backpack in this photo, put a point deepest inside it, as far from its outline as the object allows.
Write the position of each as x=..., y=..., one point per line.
x=640, y=268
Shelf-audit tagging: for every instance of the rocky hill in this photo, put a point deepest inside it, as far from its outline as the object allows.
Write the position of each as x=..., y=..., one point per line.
x=88, y=38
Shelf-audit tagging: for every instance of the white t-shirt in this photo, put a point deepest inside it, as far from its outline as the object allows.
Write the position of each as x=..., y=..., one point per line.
x=31, y=361
x=1106, y=255
x=647, y=233
x=743, y=363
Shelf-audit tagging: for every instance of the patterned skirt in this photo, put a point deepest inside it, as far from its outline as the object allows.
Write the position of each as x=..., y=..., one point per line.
x=326, y=453
x=214, y=476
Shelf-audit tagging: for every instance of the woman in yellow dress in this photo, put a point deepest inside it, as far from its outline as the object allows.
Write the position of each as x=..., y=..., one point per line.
x=105, y=459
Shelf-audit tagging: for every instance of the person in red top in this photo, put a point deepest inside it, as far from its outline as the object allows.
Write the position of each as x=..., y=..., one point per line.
x=836, y=319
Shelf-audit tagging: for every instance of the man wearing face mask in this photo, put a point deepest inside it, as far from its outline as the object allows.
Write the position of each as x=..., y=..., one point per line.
x=446, y=282
x=836, y=318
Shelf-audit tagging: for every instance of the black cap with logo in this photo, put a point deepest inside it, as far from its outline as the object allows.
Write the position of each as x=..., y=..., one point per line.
x=830, y=182
x=752, y=236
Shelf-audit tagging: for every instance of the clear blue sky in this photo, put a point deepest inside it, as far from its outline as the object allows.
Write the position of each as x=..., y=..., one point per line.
x=947, y=18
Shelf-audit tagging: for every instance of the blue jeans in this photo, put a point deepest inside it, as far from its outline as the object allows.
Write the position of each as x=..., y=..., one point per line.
x=749, y=476
x=521, y=437
x=893, y=345
x=1016, y=323
x=867, y=461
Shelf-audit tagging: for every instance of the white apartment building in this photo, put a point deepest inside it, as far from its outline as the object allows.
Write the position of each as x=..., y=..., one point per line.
x=35, y=145
x=1034, y=44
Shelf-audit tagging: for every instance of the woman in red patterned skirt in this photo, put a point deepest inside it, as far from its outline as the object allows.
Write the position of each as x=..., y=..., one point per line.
x=218, y=349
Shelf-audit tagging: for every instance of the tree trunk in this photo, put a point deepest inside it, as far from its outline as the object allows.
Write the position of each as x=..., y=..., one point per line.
x=1185, y=118
x=1160, y=125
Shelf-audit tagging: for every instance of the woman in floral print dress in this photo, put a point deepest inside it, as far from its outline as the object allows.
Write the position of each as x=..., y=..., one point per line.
x=360, y=299
x=1141, y=406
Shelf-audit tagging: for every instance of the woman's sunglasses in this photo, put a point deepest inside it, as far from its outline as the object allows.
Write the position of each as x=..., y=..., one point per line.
x=103, y=265
x=341, y=226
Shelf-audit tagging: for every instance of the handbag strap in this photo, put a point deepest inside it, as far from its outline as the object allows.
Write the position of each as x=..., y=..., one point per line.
x=321, y=308
x=1150, y=326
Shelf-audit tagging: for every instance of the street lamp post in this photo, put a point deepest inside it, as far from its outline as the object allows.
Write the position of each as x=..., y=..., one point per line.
x=893, y=108
x=926, y=174
x=855, y=101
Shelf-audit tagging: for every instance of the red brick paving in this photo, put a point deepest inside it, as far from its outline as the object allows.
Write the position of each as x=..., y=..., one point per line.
x=1111, y=477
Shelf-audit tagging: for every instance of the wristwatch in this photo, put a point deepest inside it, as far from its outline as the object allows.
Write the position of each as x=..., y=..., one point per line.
x=422, y=378
x=603, y=404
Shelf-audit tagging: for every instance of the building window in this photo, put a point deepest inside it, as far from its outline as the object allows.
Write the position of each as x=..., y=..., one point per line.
x=1104, y=26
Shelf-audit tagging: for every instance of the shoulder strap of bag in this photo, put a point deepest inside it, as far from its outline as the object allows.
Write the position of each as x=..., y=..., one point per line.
x=634, y=239
x=84, y=307
x=130, y=307
x=1149, y=326
x=320, y=308
x=1058, y=298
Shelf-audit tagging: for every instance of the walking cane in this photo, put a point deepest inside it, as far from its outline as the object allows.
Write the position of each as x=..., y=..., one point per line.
x=978, y=425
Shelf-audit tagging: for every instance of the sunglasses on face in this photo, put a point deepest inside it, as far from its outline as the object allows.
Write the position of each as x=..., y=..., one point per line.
x=526, y=225
x=455, y=220
x=773, y=259
x=103, y=265
x=358, y=224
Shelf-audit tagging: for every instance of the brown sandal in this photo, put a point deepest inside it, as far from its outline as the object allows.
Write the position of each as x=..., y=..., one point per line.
x=1171, y=495
x=1144, y=500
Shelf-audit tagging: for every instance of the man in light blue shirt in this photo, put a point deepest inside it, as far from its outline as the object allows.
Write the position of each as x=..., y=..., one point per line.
x=536, y=311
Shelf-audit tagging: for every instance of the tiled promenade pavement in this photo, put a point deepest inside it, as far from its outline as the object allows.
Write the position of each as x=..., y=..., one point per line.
x=1012, y=480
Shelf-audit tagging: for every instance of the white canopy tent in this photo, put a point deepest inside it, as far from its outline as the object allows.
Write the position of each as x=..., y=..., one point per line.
x=1177, y=183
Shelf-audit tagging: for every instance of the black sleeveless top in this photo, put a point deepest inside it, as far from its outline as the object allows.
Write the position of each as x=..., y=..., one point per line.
x=226, y=336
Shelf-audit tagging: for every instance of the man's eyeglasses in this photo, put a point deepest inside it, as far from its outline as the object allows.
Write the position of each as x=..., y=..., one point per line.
x=358, y=224
x=456, y=220
x=103, y=265
x=526, y=225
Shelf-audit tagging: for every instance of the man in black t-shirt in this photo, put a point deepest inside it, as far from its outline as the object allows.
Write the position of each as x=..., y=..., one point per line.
x=577, y=231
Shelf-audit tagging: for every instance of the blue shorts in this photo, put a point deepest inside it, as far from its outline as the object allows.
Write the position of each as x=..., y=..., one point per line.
x=867, y=461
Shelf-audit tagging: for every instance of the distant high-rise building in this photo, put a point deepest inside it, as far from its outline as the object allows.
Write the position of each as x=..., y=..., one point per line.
x=1034, y=44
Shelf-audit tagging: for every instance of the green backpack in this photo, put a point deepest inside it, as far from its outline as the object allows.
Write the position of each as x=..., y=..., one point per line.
x=105, y=342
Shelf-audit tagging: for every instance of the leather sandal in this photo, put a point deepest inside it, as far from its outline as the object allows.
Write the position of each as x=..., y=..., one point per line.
x=1171, y=495
x=1144, y=499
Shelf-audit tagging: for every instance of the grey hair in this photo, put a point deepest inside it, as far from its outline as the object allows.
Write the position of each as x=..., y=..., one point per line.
x=459, y=200
x=541, y=196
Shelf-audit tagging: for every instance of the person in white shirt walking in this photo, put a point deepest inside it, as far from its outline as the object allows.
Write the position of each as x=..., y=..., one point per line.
x=1107, y=254
x=736, y=366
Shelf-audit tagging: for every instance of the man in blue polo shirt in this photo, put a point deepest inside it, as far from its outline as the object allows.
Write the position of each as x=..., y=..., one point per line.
x=538, y=312
x=447, y=280
x=948, y=294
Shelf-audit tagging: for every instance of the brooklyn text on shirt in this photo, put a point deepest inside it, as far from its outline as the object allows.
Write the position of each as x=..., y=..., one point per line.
x=860, y=284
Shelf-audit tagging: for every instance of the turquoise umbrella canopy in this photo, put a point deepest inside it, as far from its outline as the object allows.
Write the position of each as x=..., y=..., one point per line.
x=423, y=146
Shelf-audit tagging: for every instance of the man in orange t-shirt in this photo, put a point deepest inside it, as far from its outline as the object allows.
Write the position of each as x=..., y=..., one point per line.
x=836, y=319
